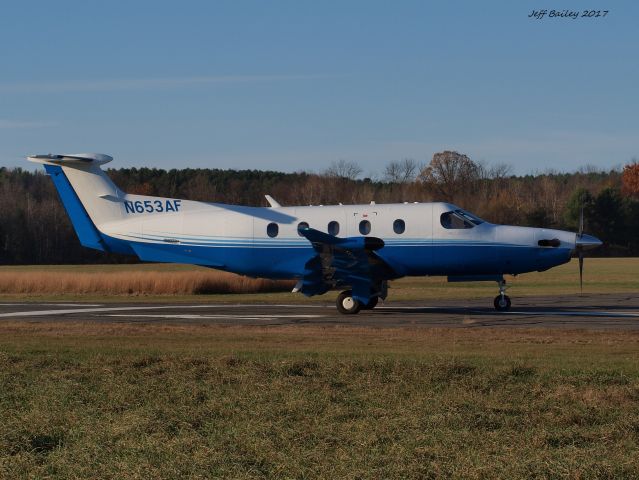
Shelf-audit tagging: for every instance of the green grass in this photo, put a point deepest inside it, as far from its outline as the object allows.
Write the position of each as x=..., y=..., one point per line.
x=602, y=275
x=157, y=401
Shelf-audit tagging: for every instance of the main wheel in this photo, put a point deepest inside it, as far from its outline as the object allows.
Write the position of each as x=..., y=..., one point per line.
x=502, y=303
x=372, y=303
x=346, y=304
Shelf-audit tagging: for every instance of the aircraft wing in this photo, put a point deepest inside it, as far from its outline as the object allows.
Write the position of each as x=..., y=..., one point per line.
x=344, y=261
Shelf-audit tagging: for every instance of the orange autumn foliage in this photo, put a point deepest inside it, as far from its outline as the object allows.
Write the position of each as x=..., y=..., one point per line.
x=630, y=180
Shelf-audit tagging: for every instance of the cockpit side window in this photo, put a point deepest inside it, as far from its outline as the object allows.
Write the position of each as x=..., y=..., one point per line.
x=459, y=219
x=474, y=219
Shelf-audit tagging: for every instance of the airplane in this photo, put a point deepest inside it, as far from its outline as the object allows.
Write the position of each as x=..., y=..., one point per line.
x=358, y=248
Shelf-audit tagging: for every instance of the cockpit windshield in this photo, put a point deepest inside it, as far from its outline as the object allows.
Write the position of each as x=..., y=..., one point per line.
x=458, y=219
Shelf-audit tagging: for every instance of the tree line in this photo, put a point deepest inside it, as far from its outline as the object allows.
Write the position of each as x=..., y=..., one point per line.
x=34, y=228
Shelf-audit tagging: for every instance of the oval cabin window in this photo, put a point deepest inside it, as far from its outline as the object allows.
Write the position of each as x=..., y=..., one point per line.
x=301, y=226
x=364, y=227
x=272, y=230
x=333, y=228
x=399, y=226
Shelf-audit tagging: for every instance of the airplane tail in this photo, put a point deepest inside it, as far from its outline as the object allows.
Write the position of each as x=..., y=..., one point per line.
x=89, y=196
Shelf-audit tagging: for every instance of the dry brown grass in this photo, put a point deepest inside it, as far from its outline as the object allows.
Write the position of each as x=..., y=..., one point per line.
x=134, y=283
x=150, y=282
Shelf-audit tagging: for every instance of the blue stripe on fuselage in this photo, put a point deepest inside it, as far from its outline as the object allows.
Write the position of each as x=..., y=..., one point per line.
x=289, y=261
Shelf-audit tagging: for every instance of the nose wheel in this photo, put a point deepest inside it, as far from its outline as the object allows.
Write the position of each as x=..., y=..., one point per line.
x=502, y=301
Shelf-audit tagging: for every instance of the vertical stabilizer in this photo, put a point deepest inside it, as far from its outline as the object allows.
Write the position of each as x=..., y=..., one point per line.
x=89, y=196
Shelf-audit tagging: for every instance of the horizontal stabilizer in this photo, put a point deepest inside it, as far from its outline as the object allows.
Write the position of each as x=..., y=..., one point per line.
x=71, y=159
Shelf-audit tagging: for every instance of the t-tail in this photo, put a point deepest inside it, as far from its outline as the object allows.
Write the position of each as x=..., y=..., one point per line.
x=90, y=198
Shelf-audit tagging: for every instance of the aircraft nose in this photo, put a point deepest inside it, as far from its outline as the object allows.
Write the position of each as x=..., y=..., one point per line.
x=587, y=242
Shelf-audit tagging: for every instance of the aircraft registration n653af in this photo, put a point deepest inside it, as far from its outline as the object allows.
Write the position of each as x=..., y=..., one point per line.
x=355, y=247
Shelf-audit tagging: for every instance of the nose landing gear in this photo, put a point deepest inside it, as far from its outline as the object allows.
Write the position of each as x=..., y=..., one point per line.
x=502, y=301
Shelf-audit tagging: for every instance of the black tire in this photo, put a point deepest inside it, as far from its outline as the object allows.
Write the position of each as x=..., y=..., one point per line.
x=372, y=303
x=502, y=304
x=346, y=304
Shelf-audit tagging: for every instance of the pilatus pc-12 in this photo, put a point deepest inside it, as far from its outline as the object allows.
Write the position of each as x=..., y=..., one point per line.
x=357, y=248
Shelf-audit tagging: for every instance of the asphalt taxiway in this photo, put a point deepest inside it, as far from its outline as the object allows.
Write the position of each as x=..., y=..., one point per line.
x=605, y=312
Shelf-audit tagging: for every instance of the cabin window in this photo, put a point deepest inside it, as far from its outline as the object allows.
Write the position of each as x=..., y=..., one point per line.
x=333, y=228
x=364, y=227
x=272, y=230
x=458, y=219
x=301, y=226
x=399, y=226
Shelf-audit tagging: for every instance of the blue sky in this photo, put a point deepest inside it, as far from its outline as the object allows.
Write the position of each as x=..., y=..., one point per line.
x=292, y=85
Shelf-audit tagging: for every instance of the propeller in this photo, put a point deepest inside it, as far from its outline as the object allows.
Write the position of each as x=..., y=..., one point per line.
x=580, y=251
x=583, y=242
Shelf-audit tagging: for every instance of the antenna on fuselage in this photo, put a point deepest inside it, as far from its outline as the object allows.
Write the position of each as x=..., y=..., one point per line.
x=272, y=202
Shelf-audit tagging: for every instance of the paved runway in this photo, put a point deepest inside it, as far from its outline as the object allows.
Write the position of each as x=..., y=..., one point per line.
x=613, y=311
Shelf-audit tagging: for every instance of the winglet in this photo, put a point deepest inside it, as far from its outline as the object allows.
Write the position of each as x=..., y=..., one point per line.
x=272, y=202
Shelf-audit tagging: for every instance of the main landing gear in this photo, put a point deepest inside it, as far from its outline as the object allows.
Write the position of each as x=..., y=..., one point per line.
x=502, y=301
x=347, y=305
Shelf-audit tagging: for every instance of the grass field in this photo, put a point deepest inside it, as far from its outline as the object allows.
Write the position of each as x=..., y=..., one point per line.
x=145, y=401
x=158, y=282
x=141, y=401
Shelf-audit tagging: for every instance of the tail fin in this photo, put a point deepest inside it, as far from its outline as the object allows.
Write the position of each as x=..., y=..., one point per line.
x=89, y=196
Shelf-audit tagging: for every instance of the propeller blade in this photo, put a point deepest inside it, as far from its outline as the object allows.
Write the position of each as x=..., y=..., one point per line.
x=581, y=271
x=581, y=220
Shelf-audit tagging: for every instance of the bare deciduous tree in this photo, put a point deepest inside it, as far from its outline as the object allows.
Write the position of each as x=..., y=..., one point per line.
x=499, y=171
x=403, y=171
x=343, y=169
